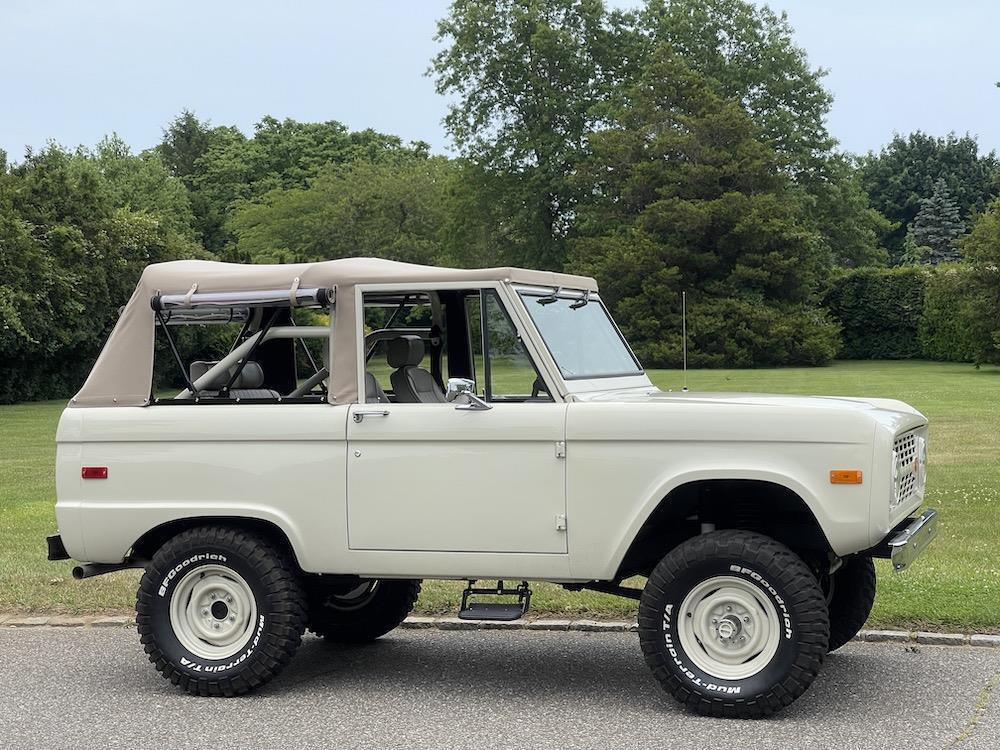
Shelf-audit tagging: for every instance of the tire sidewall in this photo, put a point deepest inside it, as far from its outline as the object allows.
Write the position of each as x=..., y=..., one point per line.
x=666, y=606
x=165, y=586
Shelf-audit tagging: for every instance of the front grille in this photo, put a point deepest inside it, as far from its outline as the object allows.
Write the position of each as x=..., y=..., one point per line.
x=907, y=469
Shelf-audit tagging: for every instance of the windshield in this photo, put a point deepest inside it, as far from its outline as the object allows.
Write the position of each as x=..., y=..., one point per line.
x=581, y=337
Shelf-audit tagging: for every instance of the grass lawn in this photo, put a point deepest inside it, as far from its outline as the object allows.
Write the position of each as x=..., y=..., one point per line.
x=954, y=586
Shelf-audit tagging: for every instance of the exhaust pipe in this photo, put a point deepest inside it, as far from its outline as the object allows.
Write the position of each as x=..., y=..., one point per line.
x=89, y=570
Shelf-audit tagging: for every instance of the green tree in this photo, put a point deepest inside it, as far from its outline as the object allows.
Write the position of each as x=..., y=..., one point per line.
x=72, y=245
x=532, y=79
x=934, y=234
x=185, y=140
x=524, y=76
x=748, y=54
x=391, y=209
x=852, y=232
x=688, y=197
x=982, y=249
x=143, y=184
x=221, y=166
x=903, y=173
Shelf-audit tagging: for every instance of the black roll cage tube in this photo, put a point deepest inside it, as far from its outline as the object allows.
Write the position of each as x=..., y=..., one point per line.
x=177, y=355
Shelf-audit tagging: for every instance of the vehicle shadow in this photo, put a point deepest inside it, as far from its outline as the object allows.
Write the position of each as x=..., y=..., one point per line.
x=539, y=667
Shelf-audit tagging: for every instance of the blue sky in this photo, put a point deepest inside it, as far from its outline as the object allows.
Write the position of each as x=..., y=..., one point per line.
x=73, y=71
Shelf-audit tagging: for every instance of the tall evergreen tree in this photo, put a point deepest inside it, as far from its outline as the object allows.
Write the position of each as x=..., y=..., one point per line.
x=531, y=81
x=934, y=234
x=904, y=173
x=687, y=197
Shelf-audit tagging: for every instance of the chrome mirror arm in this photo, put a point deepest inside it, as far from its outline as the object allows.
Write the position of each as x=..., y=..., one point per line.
x=473, y=403
x=462, y=392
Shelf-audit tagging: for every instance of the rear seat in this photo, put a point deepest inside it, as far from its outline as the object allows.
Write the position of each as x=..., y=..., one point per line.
x=247, y=384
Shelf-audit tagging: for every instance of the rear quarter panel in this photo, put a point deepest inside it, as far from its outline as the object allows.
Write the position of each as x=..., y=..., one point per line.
x=283, y=463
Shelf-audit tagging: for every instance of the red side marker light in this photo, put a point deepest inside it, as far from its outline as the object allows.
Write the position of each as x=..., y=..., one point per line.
x=94, y=472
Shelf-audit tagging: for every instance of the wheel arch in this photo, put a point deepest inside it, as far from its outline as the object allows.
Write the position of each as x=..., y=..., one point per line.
x=147, y=544
x=767, y=505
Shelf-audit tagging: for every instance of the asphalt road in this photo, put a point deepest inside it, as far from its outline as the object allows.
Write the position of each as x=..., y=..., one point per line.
x=93, y=688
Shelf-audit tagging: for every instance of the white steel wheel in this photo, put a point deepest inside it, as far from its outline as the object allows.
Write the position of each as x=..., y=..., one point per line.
x=729, y=628
x=213, y=612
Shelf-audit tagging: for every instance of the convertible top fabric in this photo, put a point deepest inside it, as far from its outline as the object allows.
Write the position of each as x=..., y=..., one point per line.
x=124, y=370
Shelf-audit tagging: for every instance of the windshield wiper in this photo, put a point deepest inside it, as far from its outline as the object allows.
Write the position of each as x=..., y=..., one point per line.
x=582, y=302
x=548, y=299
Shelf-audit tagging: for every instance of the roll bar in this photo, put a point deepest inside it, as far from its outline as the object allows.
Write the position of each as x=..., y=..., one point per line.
x=276, y=332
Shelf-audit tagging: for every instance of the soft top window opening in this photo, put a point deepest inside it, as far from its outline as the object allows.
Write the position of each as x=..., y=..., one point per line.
x=260, y=327
x=258, y=311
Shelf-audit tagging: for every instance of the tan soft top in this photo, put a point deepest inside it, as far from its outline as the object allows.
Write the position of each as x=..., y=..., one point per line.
x=123, y=373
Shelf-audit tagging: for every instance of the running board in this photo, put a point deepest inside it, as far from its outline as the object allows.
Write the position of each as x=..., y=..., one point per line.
x=496, y=611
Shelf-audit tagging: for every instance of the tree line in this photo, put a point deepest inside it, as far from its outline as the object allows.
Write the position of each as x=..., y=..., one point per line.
x=681, y=146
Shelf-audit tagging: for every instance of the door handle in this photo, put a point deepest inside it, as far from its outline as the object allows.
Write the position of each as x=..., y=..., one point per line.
x=360, y=415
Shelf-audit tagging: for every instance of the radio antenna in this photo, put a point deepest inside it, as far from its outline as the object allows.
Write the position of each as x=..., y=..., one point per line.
x=684, y=337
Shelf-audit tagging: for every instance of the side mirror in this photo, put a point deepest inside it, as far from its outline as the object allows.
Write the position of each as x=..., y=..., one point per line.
x=458, y=387
x=463, y=392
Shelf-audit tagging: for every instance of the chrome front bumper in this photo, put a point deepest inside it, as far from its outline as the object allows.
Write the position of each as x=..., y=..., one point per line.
x=905, y=542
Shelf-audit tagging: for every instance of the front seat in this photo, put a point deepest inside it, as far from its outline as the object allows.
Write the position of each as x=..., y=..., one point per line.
x=373, y=391
x=410, y=383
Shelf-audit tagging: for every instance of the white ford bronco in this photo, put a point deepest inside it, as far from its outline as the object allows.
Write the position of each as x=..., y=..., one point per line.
x=292, y=447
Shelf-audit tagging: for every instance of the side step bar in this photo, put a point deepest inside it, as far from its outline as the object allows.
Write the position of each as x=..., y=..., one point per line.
x=495, y=610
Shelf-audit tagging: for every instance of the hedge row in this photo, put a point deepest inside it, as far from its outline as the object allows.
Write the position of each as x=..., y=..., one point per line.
x=942, y=313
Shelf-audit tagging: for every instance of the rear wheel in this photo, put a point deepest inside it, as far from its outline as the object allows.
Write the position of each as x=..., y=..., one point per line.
x=359, y=610
x=851, y=595
x=220, y=611
x=732, y=623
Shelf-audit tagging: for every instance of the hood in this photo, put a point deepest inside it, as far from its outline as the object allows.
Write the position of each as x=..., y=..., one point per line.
x=894, y=413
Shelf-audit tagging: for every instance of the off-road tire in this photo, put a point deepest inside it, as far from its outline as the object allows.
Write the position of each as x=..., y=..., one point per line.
x=853, y=594
x=380, y=612
x=278, y=597
x=776, y=575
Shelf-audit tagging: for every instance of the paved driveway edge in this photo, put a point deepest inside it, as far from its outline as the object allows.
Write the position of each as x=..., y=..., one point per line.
x=982, y=640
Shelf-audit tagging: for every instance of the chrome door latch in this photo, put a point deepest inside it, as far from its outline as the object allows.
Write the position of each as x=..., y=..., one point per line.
x=360, y=415
x=560, y=449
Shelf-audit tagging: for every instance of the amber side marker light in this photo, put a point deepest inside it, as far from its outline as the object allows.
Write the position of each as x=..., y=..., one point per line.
x=845, y=476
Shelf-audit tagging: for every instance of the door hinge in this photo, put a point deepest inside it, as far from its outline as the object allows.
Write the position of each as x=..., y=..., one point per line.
x=561, y=522
x=560, y=449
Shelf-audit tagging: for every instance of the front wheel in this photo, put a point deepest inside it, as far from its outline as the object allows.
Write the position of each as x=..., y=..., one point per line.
x=732, y=623
x=850, y=597
x=220, y=611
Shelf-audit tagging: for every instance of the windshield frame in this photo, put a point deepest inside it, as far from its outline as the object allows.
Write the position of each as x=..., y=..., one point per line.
x=526, y=293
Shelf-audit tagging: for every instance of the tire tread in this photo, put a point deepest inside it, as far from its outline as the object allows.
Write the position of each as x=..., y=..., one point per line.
x=285, y=597
x=797, y=581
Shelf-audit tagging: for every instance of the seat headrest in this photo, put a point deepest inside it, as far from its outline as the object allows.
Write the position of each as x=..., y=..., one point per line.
x=251, y=376
x=404, y=351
